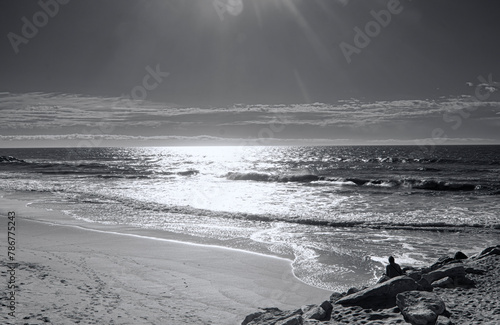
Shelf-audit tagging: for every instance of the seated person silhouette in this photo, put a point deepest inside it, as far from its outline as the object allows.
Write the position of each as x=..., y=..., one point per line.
x=393, y=269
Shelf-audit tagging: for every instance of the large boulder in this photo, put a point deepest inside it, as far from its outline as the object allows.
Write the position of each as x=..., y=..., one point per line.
x=452, y=271
x=382, y=294
x=420, y=307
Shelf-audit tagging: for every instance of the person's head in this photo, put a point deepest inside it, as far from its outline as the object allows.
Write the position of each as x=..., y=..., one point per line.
x=391, y=259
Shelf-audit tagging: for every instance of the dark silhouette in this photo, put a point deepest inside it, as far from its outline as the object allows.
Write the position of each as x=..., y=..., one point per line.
x=393, y=269
x=460, y=256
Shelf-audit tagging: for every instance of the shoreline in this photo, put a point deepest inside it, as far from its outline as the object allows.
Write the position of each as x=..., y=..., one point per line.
x=46, y=207
x=18, y=201
x=455, y=290
x=113, y=275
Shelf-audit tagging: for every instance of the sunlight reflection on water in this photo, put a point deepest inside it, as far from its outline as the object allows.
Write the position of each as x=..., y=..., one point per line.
x=320, y=206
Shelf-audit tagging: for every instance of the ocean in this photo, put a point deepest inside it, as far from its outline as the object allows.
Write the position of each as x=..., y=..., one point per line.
x=337, y=212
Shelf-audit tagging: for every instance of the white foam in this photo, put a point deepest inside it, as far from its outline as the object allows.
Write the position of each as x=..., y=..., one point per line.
x=162, y=239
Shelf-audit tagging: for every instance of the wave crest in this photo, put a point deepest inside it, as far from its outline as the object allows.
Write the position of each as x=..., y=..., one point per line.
x=418, y=184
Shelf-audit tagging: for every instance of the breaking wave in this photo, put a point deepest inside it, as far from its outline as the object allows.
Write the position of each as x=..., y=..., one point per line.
x=85, y=168
x=420, y=184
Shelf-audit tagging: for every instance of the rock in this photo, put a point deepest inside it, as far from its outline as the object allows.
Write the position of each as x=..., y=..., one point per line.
x=494, y=250
x=336, y=296
x=251, y=317
x=446, y=260
x=420, y=307
x=446, y=282
x=306, y=308
x=272, y=316
x=327, y=306
x=451, y=271
x=442, y=320
x=383, y=278
x=311, y=322
x=320, y=312
x=471, y=270
x=406, y=269
x=426, y=269
x=352, y=290
x=314, y=312
x=442, y=261
x=464, y=281
x=378, y=303
x=380, y=294
x=424, y=285
x=294, y=320
x=414, y=274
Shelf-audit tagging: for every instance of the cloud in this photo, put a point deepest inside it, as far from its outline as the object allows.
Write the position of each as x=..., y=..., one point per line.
x=431, y=141
x=72, y=117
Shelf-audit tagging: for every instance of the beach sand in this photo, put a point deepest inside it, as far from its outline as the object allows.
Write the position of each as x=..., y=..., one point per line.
x=66, y=274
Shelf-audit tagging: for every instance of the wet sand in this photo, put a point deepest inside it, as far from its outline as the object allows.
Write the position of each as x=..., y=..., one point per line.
x=67, y=274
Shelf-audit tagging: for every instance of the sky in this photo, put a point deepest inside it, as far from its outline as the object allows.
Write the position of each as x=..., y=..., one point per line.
x=263, y=72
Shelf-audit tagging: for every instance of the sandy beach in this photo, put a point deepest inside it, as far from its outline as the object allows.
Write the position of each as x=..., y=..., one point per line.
x=68, y=274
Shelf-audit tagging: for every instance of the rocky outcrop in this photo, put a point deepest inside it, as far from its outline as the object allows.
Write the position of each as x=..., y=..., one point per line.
x=446, y=260
x=420, y=307
x=313, y=312
x=494, y=250
x=407, y=298
x=275, y=316
x=452, y=271
x=382, y=294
